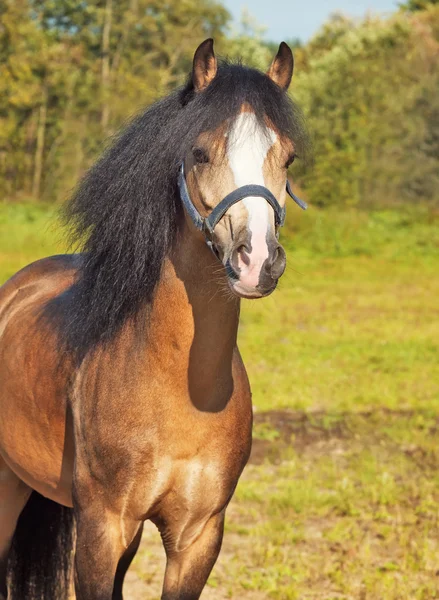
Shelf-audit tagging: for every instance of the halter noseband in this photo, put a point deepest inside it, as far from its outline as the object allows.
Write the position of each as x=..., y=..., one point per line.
x=208, y=224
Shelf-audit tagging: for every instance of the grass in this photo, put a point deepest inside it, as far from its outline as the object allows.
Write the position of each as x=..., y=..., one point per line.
x=27, y=232
x=341, y=497
x=351, y=516
x=355, y=322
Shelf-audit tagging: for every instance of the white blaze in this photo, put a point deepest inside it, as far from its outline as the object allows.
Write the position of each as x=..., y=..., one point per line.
x=247, y=148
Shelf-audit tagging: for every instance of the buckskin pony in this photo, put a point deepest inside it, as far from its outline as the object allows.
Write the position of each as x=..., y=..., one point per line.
x=123, y=396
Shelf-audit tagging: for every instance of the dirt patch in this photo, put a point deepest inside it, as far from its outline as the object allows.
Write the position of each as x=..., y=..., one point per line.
x=322, y=432
x=297, y=429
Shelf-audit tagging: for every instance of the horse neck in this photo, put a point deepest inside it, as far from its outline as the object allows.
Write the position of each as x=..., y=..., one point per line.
x=195, y=323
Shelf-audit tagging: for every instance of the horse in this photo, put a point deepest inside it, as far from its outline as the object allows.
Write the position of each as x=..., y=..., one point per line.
x=123, y=396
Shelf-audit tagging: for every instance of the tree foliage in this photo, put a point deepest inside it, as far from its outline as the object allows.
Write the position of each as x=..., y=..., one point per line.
x=414, y=5
x=72, y=71
x=370, y=95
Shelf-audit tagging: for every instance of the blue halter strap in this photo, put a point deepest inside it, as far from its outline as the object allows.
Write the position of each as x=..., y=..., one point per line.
x=208, y=224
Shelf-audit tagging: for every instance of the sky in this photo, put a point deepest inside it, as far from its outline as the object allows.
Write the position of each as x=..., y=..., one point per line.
x=288, y=19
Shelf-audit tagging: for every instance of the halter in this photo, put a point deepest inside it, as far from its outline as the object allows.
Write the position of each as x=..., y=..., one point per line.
x=208, y=224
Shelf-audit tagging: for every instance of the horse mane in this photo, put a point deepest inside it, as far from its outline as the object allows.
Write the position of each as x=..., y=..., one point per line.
x=124, y=214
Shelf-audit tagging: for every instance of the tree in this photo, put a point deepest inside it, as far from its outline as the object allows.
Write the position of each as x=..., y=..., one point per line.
x=72, y=71
x=371, y=104
x=414, y=5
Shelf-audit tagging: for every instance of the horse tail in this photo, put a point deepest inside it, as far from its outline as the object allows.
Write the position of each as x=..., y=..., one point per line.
x=40, y=559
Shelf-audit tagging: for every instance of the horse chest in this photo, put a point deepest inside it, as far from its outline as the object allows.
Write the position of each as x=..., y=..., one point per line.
x=192, y=470
x=164, y=458
x=185, y=494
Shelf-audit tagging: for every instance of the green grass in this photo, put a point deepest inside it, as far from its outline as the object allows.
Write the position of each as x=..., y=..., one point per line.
x=341, y=498
x=354, y=516
x=27, y=232
x=354, y=324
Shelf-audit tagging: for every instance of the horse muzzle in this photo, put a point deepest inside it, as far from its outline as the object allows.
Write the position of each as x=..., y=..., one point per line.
x=252, y=273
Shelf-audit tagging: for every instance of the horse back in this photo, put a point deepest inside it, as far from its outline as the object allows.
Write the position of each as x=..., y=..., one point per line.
x=52, y=273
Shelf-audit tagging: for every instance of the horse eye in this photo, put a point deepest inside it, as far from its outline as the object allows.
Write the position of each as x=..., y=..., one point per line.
x=290, y=161
x=200, y=155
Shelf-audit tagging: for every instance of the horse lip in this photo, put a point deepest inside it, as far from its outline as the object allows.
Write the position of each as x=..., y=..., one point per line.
x=250, y=293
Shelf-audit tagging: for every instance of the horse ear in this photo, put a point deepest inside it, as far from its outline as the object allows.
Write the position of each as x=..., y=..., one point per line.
x=205, y=65
x=281, y=70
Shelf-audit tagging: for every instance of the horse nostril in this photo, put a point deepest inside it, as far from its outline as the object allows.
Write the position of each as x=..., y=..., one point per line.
x=277, y=263
x=275, y=256
x=243, y=254
x=240, y=257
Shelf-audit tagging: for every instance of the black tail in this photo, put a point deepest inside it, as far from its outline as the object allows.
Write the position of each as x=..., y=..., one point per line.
x=40, y=559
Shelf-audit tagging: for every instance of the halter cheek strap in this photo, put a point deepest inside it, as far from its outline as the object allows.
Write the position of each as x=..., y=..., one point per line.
x=303, y=205
x=208, y=224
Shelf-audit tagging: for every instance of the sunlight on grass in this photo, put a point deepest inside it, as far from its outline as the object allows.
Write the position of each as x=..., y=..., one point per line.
x=349, y=330
x=356, y=516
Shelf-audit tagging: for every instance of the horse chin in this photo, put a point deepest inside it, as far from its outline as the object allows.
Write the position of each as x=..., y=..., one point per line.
x=249, y=293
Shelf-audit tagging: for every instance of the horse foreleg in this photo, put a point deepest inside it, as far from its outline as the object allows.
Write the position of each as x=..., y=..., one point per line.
x=13, y=496
x=103, y=538
x=187, y=570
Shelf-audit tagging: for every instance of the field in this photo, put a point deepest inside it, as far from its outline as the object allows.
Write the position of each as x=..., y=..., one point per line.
x=341, y=496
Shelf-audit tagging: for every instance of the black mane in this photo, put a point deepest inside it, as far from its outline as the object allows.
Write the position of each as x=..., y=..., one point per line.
x=124, y=214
